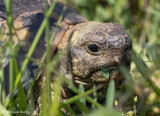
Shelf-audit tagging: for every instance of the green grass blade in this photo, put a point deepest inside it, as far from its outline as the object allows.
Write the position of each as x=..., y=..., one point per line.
x=48, y=44
x=21, y=95
x=21, y=98
x=57, y=25
x=83, y=108
x=46, y=91
x=11, y=75
x=81, y=89
x=54, y=107
x=95, y=95
x=77, y=97
x=110, y=94
x=69, y=111
x=11, y=81
x=2, y=89
x=1, y=81
x=9, y=16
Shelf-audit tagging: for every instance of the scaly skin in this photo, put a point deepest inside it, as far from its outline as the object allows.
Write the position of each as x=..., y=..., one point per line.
x=83, y=65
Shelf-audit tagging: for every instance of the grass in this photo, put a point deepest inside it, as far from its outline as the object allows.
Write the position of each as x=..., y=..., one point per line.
x=141, y=19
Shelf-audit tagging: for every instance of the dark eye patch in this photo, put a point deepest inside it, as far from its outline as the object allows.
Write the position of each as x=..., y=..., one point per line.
x=93, y=48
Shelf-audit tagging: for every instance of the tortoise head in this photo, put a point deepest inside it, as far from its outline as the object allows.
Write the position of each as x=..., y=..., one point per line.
x=93, y=46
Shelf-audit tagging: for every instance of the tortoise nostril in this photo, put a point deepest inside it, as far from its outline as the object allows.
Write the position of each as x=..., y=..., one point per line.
x=126, y=47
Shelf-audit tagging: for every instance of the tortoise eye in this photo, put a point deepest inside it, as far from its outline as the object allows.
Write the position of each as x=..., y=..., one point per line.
x=93, y=49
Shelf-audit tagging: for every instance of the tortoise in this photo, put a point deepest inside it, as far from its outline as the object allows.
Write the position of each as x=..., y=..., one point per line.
x=90, y=45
